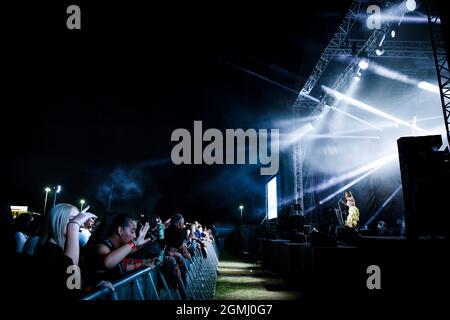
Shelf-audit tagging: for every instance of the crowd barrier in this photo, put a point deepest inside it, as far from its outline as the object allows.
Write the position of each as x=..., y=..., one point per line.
x=151, y=283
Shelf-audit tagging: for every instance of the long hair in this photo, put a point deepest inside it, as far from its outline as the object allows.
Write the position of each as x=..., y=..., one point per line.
x=55, y=224
x=348, y=194
x=108, y=226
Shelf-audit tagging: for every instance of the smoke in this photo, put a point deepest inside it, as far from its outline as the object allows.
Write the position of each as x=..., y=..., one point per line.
x=233, y=186
x=125, y=184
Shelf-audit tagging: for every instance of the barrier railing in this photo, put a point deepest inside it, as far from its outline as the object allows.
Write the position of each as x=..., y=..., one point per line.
x=151, y=284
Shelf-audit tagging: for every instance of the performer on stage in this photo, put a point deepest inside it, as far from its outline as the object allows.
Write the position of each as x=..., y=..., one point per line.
x=353, y=213
x=343, y=207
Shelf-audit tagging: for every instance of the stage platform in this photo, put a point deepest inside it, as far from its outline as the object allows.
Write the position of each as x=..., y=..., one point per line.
x=333, y=270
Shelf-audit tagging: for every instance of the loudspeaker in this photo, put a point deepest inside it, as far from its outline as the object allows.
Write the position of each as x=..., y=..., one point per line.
x=425, y=175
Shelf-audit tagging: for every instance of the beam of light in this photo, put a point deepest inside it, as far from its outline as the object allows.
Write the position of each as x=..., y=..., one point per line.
x=428, y=86
x=298, y=134
x=391, y=74
x=382, y=40
x=381, y=208
x=309, y=210
x=339, y=107
x=257, y=75
x=352, y=183
x=424, y=17
x=334, y=136
x=309, y=97
x=414, y=123
x=370, y=109
x=429, y=118
x=397, y=76
x=352, y=131
x=356, y=118
x=288, y=123
x=352, y=173
x=417, y=18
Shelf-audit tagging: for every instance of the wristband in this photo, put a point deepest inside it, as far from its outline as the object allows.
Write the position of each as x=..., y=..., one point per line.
x=79, y=225
x=132, y=244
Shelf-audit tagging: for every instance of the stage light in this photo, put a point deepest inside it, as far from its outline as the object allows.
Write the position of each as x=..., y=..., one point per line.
x=390, y=74
x=352, y=173
x=381, y=208
x=370, y=109
x=428, y=86
x=352, y=183
x=394, y=75
x=356, y=118
x=347, y=186
x=393, y=33
x=300, y=133
x=429, y=118
x=357, y=78
x=363, y=63
x=379, y=51
x=334, y=136
x=411, y=5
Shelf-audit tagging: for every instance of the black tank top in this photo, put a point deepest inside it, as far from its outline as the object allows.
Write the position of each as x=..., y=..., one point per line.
x=98, y=273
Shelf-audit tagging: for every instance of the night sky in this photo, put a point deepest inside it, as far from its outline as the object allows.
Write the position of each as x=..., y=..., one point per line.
x=91, y=108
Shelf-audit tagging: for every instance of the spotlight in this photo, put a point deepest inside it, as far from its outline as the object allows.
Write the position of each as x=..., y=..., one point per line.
x=363, y=63
x=352, y=173
x=428, y=86
x=300, y=133
x=352, y=183
x=368, y=108
x=357, y=78
x=393, y=33
x=379, y=51
x=410, y=5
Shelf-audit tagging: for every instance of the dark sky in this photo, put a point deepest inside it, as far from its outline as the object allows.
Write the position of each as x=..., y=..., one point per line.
x=91, y=108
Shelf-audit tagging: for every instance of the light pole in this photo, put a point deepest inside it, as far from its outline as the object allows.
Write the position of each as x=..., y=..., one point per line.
x=57, y=190
x=242, y=208
x=47, y=190
x=82, y=204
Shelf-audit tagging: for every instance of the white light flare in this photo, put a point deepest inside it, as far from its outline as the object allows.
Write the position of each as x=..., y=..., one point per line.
x=370, y=109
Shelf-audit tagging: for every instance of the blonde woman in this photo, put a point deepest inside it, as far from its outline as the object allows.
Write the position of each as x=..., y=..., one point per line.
x=59, y=251
x=353, y=213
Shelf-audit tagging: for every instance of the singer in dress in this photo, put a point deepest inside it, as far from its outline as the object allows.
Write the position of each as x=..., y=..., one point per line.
x=344, y=207
x=353, y=214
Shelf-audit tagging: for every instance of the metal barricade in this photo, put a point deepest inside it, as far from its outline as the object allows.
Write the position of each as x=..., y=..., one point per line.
x=151, y=284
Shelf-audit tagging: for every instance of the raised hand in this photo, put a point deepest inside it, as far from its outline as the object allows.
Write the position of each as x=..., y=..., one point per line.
x=140, y=241
x=81, y=218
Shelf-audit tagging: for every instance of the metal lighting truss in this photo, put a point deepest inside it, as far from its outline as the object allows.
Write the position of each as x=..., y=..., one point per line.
x=356, y=9
x=441, y=61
